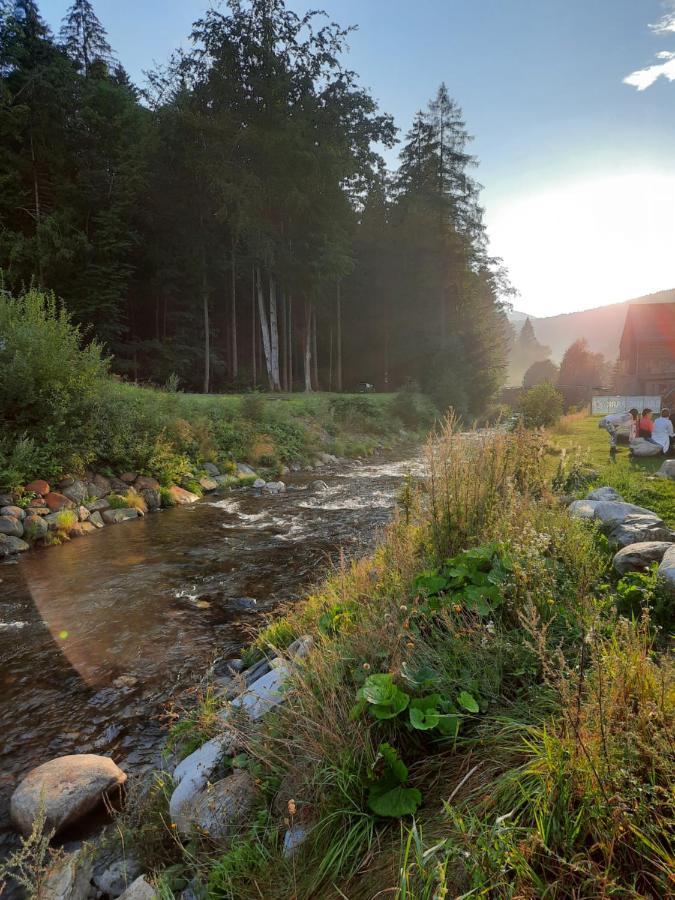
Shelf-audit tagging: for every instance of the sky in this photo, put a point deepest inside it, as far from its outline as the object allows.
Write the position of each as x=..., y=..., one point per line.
x=571, y=103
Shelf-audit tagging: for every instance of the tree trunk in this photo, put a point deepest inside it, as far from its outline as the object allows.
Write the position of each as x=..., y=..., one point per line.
x=38, y=213
x=307, y=347
x=207, y=336
x=338, y=337
x=233, y=328
x=264, y=328
x=253, y=329
x=284, y=344
x=274, y=336
x=330, y=360
x=290, y=343
x=315, y=355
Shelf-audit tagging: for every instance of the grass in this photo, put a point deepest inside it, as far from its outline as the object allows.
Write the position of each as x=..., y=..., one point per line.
x=586, y=444
x=542, y=764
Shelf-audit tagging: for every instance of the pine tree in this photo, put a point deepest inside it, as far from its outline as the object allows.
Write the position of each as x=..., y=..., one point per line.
x=84, y=37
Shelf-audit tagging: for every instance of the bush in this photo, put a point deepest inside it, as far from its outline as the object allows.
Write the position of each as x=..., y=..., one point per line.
x=541, y=406
x=252, y=407
x=413, y=409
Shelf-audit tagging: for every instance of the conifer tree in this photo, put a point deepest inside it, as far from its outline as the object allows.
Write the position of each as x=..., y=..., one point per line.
x=84, y=37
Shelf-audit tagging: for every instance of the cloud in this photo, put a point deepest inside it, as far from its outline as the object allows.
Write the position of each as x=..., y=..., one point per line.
x=665, y=68
x=644, y=78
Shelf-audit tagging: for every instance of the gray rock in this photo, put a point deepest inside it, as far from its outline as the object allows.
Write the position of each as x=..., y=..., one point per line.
x=222, y=480
x=636, y=529
x=66, y=788
x=77, y=492
x=274, y=487
x=145, y=483
x=128, y=477
x=667, y=570
x=638, y=557
x=83, y=513
x=139, y=890
x=115, y=516
x=604, y=493
x=259, y=483
x=192, y=774
x=11, y=526
x=207, y=483
x=224, y=807
x=14, y=511
x=69, y=879
x=211, y=469
x=102, y=485
x=10, y=545
x=263, y=695
x=96, y=520
x=117, y=486
x=6, y=499
x=327, y=459
x=117, y=876
x=667, y=470
x=98, y=505
x=301, y=646
x=642, y=447
x=295, y=836
x=35, y=527
x=583, y=509
x=318, y=485
x=611, y=512
x=153, y=499
x=235, y=665
x=243, y=470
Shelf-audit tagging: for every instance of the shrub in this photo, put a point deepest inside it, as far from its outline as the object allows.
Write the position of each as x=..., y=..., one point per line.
x=541, y=406
x=413, y=409
x=252, y=407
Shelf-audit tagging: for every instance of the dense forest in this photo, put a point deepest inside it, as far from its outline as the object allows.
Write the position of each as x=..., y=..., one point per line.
x=232, y=224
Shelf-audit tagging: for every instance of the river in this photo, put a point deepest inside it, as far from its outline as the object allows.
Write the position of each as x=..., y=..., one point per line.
x=99, y=635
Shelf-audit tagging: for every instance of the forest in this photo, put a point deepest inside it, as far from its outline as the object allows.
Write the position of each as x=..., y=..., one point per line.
x=232, y=223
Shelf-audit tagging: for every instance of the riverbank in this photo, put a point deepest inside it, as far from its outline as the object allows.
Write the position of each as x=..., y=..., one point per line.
x=474, y=711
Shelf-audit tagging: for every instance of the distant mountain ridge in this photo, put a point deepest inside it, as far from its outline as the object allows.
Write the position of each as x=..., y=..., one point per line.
x=602, y=327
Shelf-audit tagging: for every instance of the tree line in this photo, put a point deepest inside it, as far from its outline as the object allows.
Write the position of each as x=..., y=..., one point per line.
x=233, y=224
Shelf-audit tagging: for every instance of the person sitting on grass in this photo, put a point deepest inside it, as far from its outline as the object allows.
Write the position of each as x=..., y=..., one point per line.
x=663, y=430
x=614, y=421
x=646, y=425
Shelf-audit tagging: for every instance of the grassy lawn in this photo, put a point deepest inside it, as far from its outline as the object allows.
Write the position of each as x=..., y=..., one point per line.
x=635, y=479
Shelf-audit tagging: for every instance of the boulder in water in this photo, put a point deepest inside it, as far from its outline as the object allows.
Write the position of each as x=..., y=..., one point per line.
x=274, y=487
x=115, y=516
x=208, y=483
x=180, y=496
x=10, y=544
x=11, y=526
x=66, y=788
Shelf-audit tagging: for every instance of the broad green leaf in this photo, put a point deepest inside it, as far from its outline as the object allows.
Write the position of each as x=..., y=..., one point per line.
x=394, y=802
x=385, y=698
x=468, y=702
x=448, y=725
x=423, y=720
x=396, y=769
x=431, y=583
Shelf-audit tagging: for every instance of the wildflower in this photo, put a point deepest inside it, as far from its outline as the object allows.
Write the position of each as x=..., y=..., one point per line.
x=292, y=809
x=366, y=666
x=410, y=645
x=403, y=608
x=457, y=607
x=173, y=825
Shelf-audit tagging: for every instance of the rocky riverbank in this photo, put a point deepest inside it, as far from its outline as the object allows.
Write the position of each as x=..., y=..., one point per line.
x=37, y=514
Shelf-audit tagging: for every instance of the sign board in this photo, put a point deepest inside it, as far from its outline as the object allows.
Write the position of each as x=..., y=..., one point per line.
x=602, y=406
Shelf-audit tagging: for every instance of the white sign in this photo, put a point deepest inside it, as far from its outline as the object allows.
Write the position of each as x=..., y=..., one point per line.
x=602, y=406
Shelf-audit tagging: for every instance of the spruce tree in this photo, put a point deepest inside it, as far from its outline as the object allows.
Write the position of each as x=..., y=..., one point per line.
x=84, y=37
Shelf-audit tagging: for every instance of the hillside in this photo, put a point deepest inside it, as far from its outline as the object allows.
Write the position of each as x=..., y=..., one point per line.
x=601, y=326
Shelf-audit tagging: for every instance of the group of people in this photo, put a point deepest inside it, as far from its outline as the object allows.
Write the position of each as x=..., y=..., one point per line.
x=657, y=431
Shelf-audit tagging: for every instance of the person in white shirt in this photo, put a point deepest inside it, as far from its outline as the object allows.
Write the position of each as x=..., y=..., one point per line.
x=663, y=430
x=614, y=421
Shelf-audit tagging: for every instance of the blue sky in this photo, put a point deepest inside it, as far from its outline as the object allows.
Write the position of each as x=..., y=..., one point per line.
x=578, y=166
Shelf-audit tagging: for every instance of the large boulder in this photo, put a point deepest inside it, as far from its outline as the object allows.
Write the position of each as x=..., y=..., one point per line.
x=208, y=483
x=224, y=808
x=56, y=501
x=180, y=496
x=638, y=557
x=115, y=516
x=96, y=520
x=144, y=483
x=35, y=527
x=39, y=486
x=639, y=528
x=667, y=470
x=604, y=493
x=103, y=486
x=11, y=526
x=14, y=511
x=211, y=469
x=153, y=498
x=274, y=487
x=582, y=509
x=244, y=470
x=10, y=545
x=611, y=512
x=641, y=447
x=128, y=477
x=139, y=890
x=192, y=775
x=263, y=695
x=66, y=788
x=98, y=505
x=667, y=569
x=77, y=492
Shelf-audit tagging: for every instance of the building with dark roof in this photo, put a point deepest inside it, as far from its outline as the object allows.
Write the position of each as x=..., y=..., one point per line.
x=647, y=351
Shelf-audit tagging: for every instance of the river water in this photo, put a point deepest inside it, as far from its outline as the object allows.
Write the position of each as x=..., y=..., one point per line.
x=98, y=635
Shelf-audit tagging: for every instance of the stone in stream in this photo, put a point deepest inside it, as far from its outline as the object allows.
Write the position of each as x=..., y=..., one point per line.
x=224, y=807
x=274, y=487
x=11, y=526
x=115, y=516
x=318, y=485
x=640, y=528
x=98, y=505
x=80, y=529
x=244, y=470
x=208, y=483
x=10, y=545
x=192, y=774
x=140, y=889
x=39, y=486
x=152, y=497
x=259, y=483
x=66, y=788
x=638, y=557
x=180, y=496
x=14, y=511
x=96, y=520
x=77, y=492
x=35, y=527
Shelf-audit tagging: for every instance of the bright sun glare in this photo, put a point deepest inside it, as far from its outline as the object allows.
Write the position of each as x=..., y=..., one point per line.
x=589, y=242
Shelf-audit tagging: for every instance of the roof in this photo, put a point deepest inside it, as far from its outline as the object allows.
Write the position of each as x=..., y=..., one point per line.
x=654, y=322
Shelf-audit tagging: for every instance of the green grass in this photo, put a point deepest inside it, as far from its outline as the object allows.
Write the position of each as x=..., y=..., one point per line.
x=634, y=478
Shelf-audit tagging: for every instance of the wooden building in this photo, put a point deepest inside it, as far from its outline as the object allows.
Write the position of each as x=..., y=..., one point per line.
x=647, y=351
